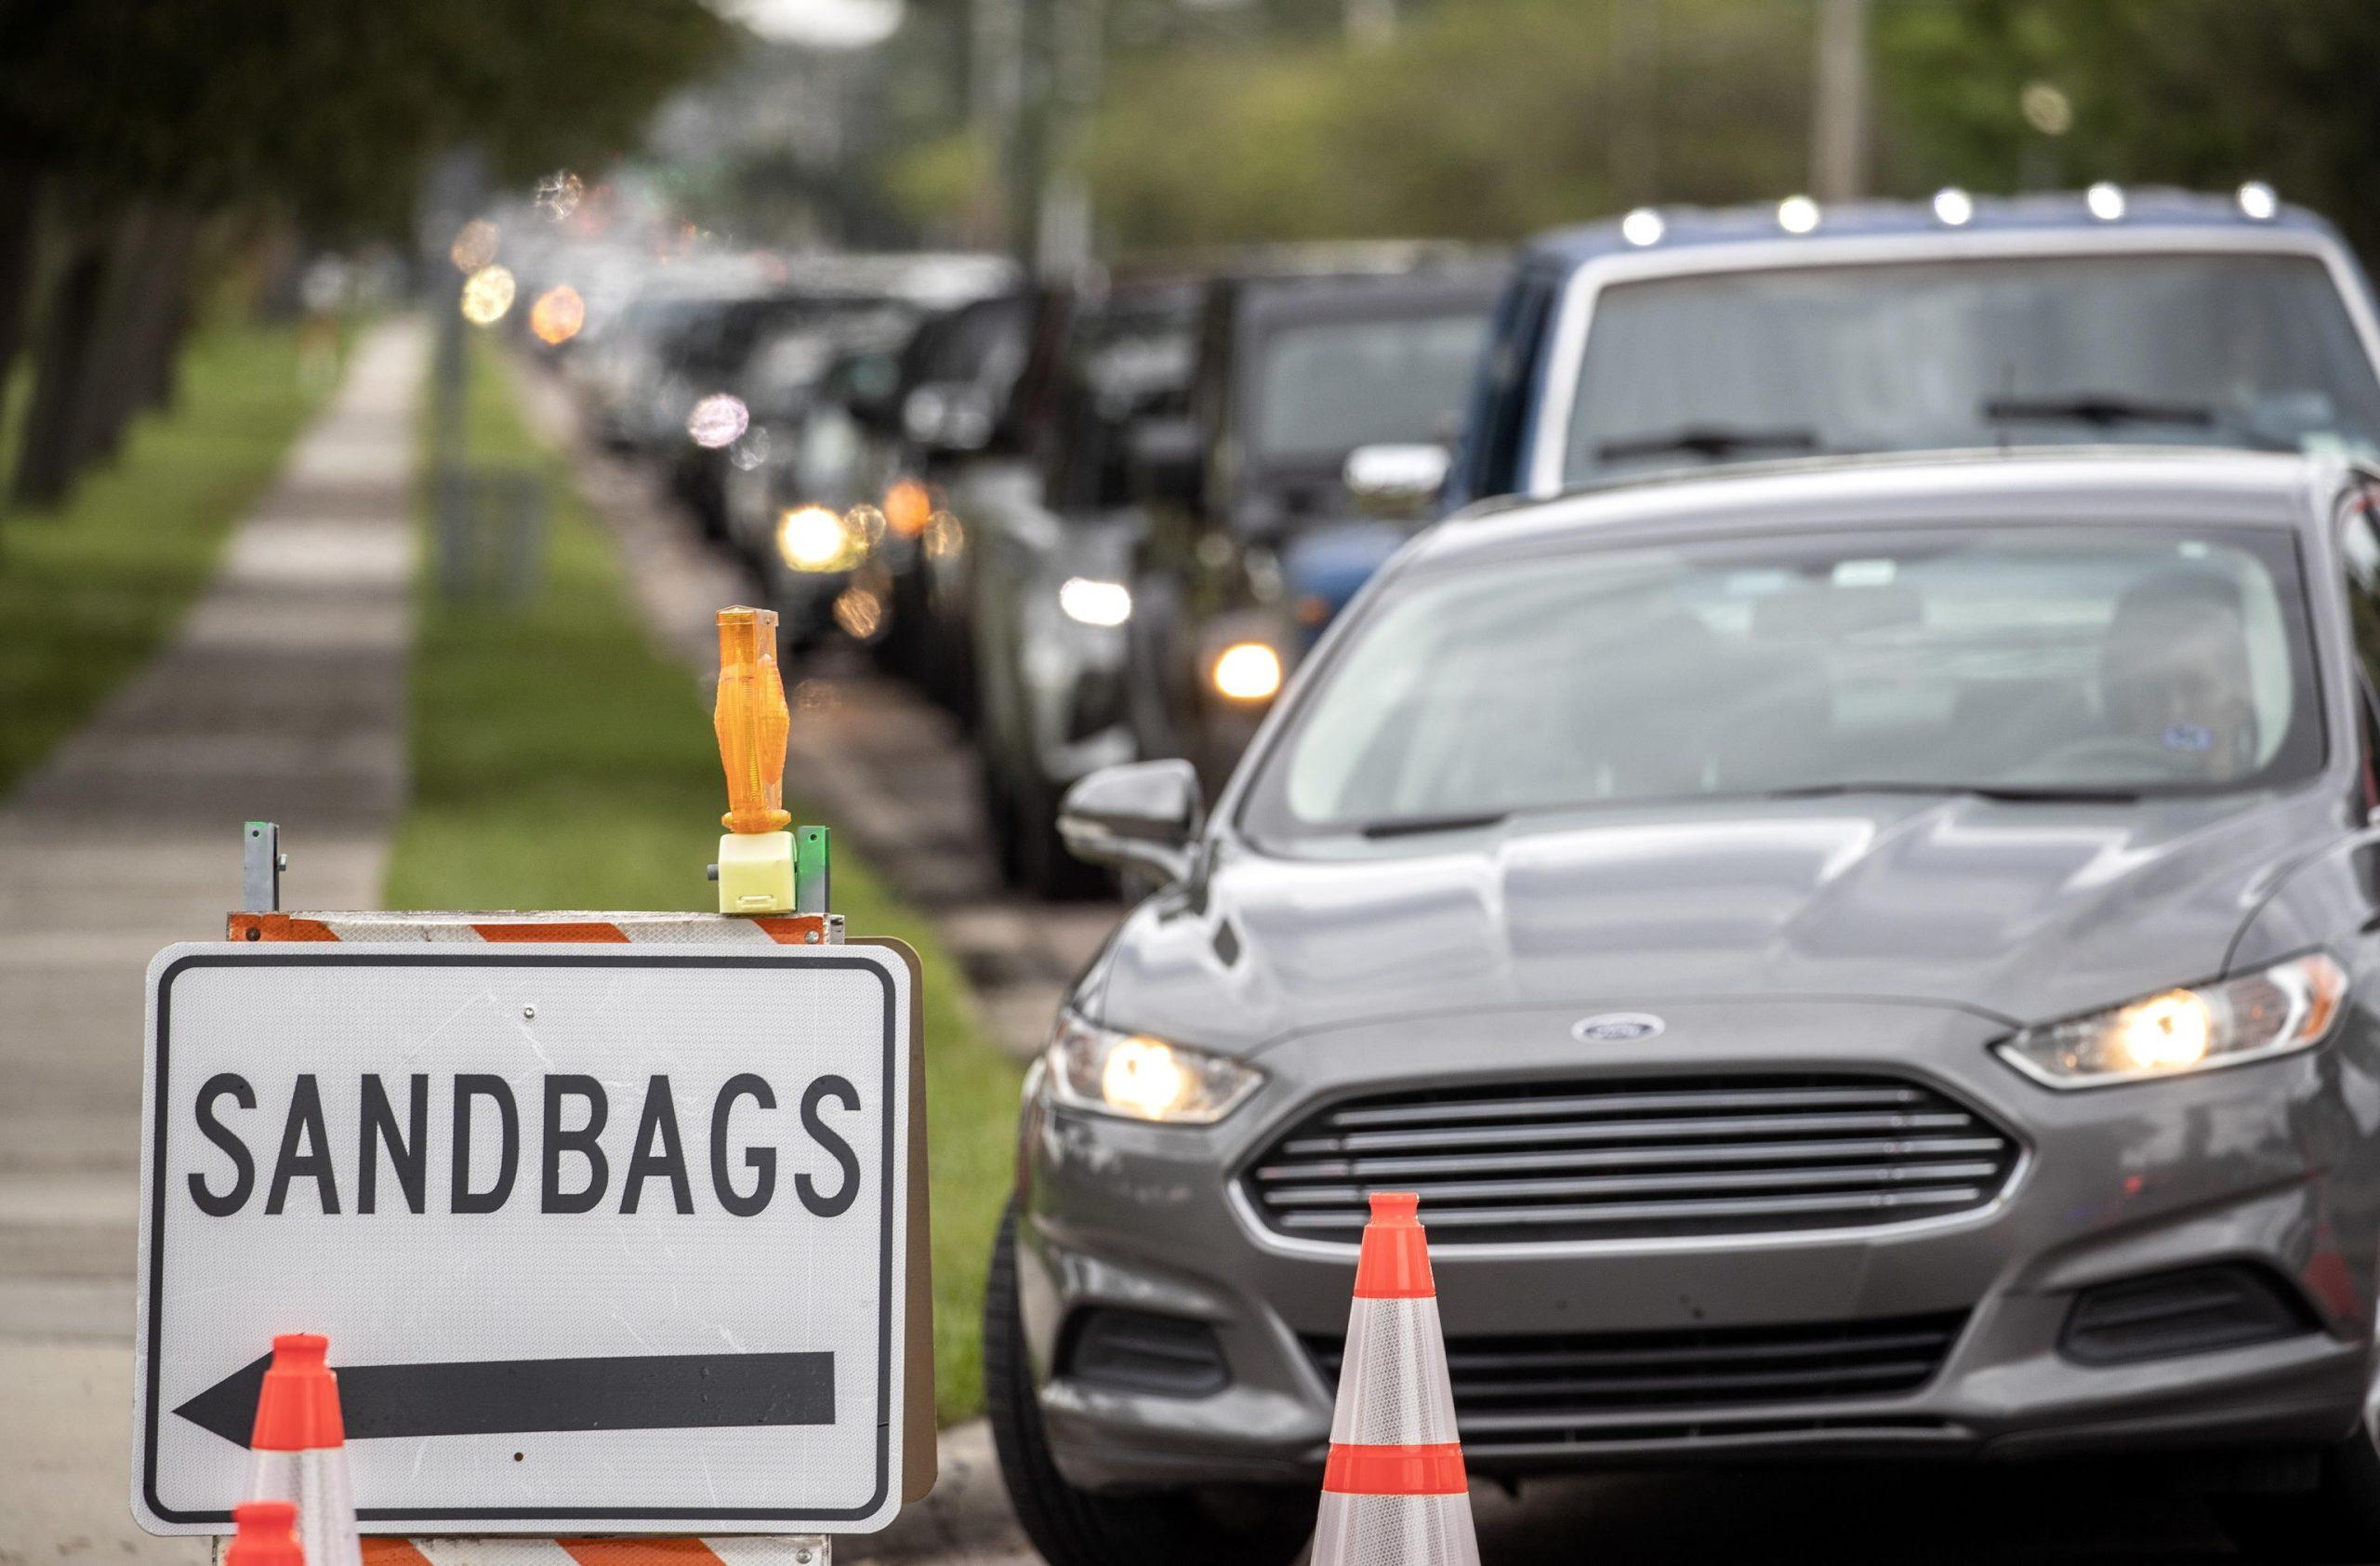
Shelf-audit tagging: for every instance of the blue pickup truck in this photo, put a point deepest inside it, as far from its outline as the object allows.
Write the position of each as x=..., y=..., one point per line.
x=1679, y=339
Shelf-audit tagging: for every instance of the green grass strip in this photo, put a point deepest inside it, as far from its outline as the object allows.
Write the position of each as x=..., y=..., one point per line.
x=561, y=760
x=89, y=590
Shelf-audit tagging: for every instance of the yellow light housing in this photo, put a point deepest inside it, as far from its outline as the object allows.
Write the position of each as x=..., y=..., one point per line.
x=813, y=539
x=1247, y=671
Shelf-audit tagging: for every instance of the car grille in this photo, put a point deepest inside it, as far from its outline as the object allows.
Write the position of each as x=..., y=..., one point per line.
x=1513, y=1393
x=1625, y=1159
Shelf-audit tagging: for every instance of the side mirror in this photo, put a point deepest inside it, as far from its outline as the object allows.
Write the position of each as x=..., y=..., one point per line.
x=1140, y=816
x=1396, y=483
x=1168, y=460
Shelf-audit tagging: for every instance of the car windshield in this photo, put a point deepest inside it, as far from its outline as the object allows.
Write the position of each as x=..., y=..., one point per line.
x=2024, y=662
x=2203, y=349
x=1326, y=387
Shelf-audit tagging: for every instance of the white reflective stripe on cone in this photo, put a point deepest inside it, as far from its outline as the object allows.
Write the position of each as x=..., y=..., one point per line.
x=316, y=1481
x=1392, y=1387
x=1394, y=1531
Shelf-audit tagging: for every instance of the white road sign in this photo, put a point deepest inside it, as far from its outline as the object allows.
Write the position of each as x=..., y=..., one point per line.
x=605, y=1239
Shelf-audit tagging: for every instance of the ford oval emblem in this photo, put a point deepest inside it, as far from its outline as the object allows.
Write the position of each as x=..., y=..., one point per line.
x=1617, y=1028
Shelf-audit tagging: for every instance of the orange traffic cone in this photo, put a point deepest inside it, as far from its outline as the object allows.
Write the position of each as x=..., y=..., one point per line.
x=267, y=1535
x=299, y=1453
x=1395, y=1494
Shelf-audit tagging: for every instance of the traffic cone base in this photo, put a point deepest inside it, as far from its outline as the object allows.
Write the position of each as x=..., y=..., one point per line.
x=1395, y=1531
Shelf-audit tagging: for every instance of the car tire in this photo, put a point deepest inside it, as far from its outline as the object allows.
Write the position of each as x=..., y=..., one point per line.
x=2337, y=1521
x=1075, y=1527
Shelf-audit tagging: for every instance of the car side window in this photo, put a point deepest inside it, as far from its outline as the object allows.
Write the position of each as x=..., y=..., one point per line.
x=2359, y=550
x=1489, y=464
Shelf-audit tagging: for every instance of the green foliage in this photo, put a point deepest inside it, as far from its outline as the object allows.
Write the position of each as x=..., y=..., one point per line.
x=2200, y=93
x=325, y=111
x=559, y=761
x=89, y=591
x=1482, y=120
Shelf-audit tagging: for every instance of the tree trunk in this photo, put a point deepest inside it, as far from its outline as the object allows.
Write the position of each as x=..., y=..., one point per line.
x=19, y=227
x=105, y=399
x=45, y=461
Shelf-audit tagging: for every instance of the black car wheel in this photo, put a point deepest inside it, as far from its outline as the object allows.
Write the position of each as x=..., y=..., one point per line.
x=2337, y=1521
x=1074, y=1527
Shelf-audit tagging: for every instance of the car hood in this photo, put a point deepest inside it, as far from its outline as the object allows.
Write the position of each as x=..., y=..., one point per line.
x=2018, y=911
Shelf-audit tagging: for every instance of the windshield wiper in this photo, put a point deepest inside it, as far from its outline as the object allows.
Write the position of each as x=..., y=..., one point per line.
x=1708, y=440
x=2025, y=793
x=1414, y=826
x=2099, y=411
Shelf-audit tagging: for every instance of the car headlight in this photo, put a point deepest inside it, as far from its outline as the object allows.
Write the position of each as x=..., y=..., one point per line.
x=1143, y=1078
x=1247, y=671
x=1088, y=601
x=2289, y=1006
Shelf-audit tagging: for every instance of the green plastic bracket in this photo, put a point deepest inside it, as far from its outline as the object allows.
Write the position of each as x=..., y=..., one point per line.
x=812, y=853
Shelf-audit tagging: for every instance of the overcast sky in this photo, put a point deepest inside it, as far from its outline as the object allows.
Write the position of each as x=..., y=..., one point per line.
x=820, y=23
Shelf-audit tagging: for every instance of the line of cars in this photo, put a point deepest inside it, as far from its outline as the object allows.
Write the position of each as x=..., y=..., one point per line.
x=1842, y=872
x=1804, y=775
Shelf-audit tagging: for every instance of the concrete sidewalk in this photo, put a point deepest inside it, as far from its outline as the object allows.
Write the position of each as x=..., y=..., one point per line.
x=282, y=698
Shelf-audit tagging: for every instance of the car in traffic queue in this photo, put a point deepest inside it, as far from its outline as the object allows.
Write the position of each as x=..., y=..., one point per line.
x=1309, y=365
x=1049, y=566
x=958, y=440
x=1684, y=336
x=1860, y=959
x=818, y=480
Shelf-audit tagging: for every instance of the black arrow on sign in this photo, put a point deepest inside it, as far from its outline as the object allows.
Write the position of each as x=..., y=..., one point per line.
x=508, y=1397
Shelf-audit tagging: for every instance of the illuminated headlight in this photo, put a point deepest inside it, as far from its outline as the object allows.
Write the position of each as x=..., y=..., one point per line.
x=1087, y=601
x=2290, y=1006
x=814, y=538
x=1247, y=671
x=1139, y=1078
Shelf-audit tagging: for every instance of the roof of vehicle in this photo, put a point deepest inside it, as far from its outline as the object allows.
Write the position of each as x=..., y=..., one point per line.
x=2078, y=484
x=2142, y=207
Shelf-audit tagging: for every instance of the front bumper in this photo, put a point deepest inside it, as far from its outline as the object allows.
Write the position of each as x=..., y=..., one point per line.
x=2268, y=1166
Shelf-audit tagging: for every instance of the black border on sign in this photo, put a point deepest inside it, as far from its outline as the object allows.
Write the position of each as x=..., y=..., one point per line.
x=483, y=958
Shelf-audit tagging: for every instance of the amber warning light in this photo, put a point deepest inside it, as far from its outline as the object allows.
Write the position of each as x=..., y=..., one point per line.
x=756, y=856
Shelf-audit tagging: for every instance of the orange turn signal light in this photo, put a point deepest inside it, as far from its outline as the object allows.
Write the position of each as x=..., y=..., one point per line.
x=751, y=721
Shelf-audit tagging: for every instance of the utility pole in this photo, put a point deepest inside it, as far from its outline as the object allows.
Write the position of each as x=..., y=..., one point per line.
x=1839, y=111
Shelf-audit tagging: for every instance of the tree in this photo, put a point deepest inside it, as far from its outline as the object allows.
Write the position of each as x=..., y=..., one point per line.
x=130, y=122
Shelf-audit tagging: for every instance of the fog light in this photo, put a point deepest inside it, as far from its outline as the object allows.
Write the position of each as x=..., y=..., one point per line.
x=2195, y=1310
x=1248, y=671
x=1141, y=1352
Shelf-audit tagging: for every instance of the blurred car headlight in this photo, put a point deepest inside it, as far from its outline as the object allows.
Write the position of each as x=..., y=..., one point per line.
x=1090, y=602
x=1140, y=1078
x=1247, y=671
x=2292, y=1005
x=813, y=539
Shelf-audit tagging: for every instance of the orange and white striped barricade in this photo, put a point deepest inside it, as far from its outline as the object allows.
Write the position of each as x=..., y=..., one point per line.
x=1395, y=1493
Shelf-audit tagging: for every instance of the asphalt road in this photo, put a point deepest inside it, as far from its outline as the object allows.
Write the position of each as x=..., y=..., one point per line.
x=897, y=774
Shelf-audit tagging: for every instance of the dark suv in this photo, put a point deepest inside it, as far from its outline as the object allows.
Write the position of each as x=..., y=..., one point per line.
x=1254, y=539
